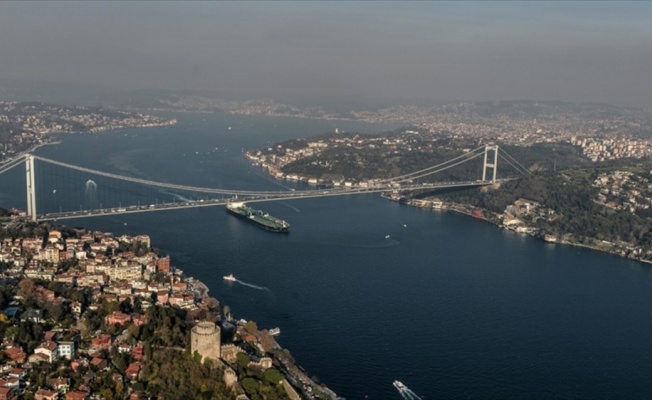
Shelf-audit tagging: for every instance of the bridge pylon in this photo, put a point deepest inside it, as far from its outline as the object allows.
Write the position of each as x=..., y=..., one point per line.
x=488, y=148
x=31, y=187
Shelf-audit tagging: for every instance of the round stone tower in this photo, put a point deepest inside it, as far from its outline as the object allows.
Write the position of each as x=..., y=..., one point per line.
x=205, y=339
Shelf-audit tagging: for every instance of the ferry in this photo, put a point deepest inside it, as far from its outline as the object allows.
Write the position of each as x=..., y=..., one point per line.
x=398, y=385
x=230, y=277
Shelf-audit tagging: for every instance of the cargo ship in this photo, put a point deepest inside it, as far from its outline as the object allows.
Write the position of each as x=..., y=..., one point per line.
x=258, y=217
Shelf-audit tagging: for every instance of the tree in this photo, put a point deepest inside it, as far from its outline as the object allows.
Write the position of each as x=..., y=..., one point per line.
x=107, y=394
x=11, y=332
x=251, y=326
x=119, y=389
x=250, y=385
x=26, y=289
x=126, y=306
x=242, y=360
x=273, y=376
x=57, y=311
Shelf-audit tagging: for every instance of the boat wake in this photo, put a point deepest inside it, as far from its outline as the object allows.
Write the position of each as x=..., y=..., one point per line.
x=407, y=394
x=175, y=195
x=291, y=207
x=252, y=286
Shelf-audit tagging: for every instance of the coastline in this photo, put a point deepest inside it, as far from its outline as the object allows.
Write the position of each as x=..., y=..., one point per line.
x=92, y=130
x=174, y=289
x=29, y=150
x=297, y=381
x=463, y=209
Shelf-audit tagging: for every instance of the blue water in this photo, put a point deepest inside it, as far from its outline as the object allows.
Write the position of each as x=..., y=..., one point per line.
x=452, y=306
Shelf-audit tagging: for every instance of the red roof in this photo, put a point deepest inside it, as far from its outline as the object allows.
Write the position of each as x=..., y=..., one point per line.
x=133, y=369
x=76, y=395
x=97, y=361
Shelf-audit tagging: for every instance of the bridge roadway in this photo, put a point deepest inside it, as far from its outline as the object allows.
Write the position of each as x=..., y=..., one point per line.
x=270, y=196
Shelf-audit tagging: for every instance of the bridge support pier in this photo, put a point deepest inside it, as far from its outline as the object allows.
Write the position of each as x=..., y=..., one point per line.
x=31, y=187
x=494, y=165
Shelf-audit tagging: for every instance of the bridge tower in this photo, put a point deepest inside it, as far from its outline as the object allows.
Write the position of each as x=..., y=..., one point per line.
x=493, y=165
x=31, y=187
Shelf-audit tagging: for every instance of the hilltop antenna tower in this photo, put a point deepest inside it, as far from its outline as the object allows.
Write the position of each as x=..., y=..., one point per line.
x=494, y=165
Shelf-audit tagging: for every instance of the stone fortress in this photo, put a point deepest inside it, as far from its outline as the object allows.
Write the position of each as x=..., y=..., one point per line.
x=205, y=340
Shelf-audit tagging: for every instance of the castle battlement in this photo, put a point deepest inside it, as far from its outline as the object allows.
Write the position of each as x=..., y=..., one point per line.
x=205, y=340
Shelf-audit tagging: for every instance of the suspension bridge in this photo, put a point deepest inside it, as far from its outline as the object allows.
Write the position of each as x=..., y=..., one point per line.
x=101, y=193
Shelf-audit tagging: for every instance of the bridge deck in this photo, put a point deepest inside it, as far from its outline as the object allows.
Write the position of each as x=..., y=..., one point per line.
x=293, y=195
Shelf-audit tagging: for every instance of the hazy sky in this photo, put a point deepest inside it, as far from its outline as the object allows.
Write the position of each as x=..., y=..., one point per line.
x=578, y=51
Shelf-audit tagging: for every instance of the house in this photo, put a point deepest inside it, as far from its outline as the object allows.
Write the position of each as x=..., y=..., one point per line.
x=66, y=349
x=99, y=363
x=162, y=296
x=48, y=349
x=44, y=294
x=32, y=315
x=117, y=317
x=176, y=299
x=101, y=342
x=7, y=393
x=60, y=384
x=16, y=354
x=163, y=265
x=18, y=373
x=132, y=371
x=43, y=394
x=38, y=358
x=10, y=382
x=124, y=348
x=137, y=352
x=76, y=395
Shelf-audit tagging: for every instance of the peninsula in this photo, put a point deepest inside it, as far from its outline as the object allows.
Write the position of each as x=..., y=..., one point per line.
x=588, y=168
x=92, y=315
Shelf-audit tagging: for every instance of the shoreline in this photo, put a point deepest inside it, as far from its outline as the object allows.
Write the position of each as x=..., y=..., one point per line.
x=245, y=333
x=92, y=130
x=296, y=376
x=461, y=209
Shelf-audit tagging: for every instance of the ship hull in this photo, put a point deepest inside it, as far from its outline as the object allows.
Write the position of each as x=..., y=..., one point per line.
x=258, y=223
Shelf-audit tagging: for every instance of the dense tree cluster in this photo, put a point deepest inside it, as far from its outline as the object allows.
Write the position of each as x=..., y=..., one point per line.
x=172, y=374
x=358, y=157
x=572, y=196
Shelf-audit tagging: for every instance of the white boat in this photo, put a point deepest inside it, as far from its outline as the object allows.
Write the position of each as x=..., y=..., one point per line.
x=398, y=385
x=387, y=236
x=230, y=277
x=275, y=331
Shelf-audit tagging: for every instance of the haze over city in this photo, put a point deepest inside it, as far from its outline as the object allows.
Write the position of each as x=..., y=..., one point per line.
x=324, y=200
x=409, y=51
